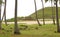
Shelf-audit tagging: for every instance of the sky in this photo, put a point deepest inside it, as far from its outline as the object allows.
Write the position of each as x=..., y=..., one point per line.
x=25, y=7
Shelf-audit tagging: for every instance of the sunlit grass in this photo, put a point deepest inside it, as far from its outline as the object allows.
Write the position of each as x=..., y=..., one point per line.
x=31, y=31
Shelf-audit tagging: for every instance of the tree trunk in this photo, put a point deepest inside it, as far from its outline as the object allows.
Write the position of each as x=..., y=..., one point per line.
x=16, y=29
x=36, y=13
x=0, y=17
x=43, y=12
x=53, y=18
x=5, y=12
x=0, y=13
x=57, y=19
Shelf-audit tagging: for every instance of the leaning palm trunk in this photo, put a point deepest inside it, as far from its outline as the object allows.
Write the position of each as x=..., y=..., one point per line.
x=4, y=14
x=53, y=18
x=2, y=17
x=43, y=12
x=36, y=13
x=16, y=30
x=57, y=19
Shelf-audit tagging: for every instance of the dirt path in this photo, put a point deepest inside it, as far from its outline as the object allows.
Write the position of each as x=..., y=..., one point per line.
x=31, y=22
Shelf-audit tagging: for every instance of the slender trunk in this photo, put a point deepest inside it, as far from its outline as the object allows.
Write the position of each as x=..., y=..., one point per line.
x=43, y=12
x=16, y=30
x=3, y=16
x=57, y=19
x=5, y=12
x=36, y=13
x=53, y=18
x=0, y=17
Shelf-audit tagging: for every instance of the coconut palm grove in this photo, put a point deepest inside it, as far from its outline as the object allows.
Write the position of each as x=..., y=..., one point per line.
x=43, y=22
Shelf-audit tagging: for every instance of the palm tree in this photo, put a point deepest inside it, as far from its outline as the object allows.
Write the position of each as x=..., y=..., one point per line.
x=16, y=30
x=0, y=13
x=57, y=19
x=53, y=18
x=36, y=13
x=43, y=12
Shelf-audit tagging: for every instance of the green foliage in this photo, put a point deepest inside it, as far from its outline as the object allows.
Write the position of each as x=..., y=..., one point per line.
x=0, y=1
x=47, y=13
x=10, y=20
x=46, y=0
x=20, y=19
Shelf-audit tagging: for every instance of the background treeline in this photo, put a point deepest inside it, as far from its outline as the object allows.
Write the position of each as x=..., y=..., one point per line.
x=47, y=14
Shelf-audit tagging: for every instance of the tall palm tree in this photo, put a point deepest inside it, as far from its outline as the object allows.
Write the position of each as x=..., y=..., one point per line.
x=36, y=13
x=57, y=19
x=16, y=29
x=43, y=12
x=0, y=12
x=53, y=18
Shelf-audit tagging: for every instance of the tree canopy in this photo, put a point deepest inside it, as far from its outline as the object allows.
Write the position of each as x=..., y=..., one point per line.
x=46, y=0
x=0, y=1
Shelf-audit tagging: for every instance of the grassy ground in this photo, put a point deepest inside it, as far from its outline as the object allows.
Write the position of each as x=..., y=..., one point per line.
x=30, y=31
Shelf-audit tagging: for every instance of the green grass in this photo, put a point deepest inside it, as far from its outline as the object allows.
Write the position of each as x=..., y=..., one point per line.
x=31, y=31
